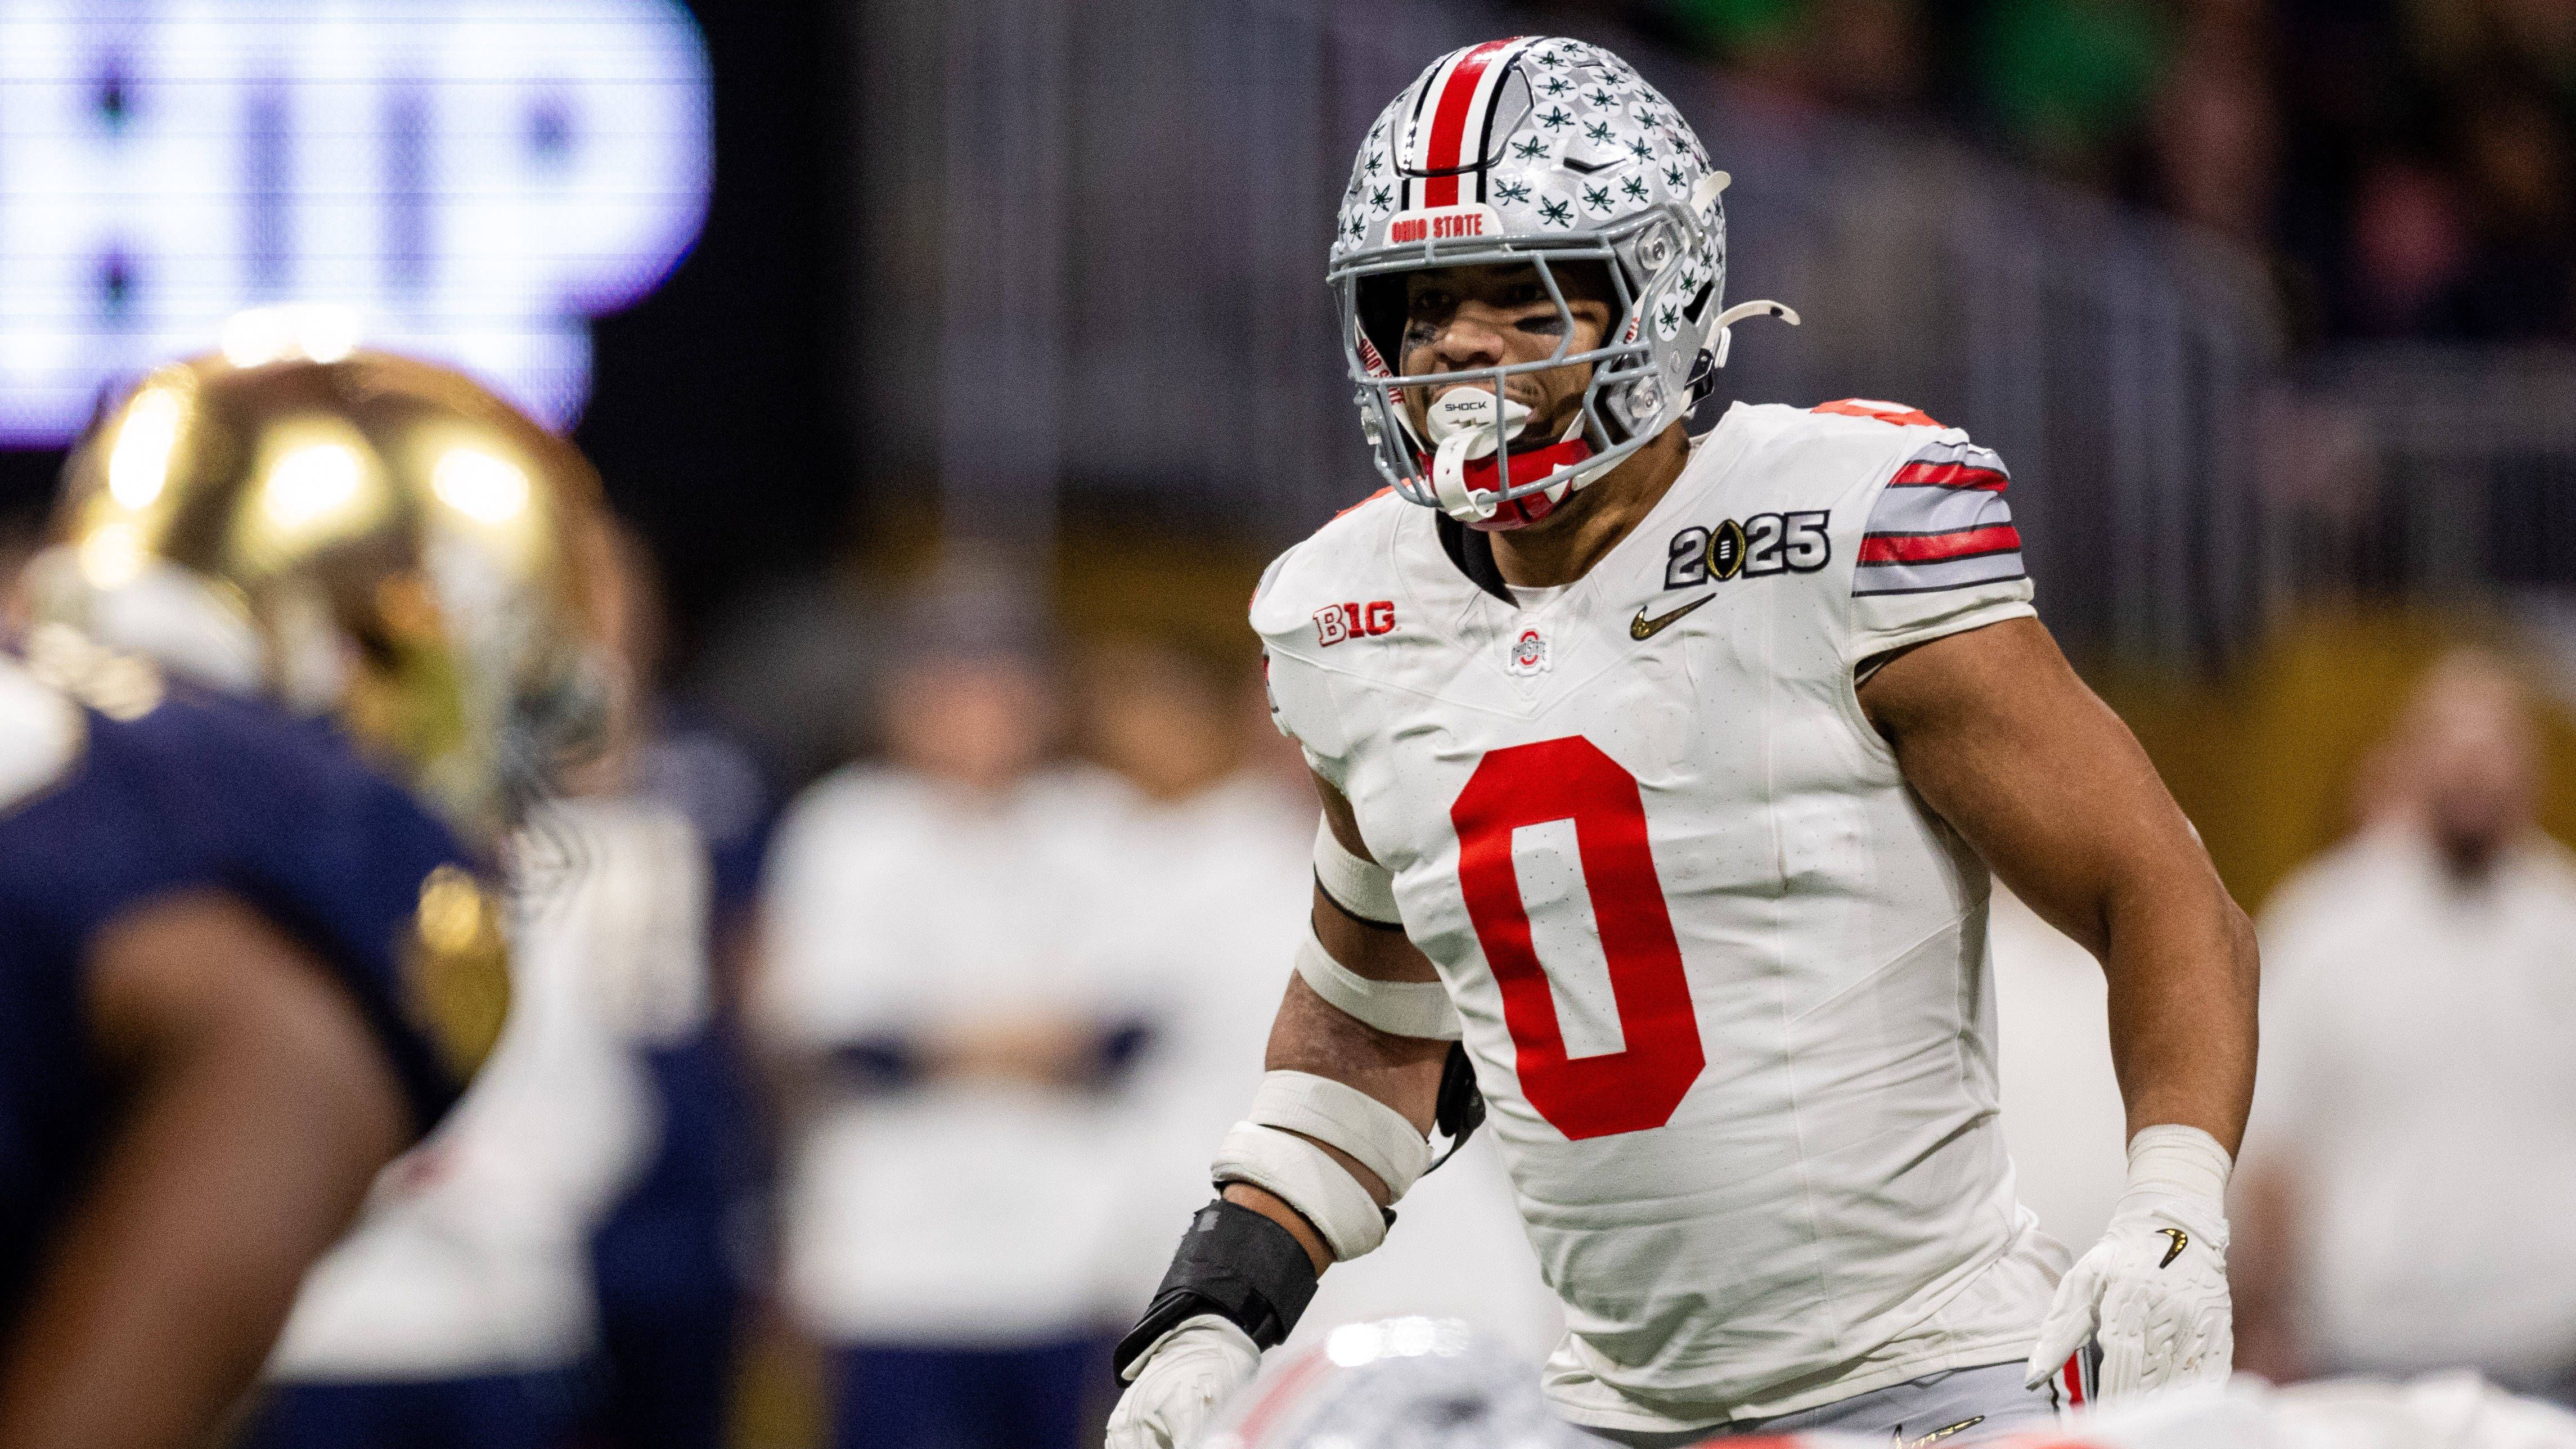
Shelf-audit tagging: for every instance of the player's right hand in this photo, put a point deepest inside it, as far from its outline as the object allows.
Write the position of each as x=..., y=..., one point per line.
x=1176, y=1386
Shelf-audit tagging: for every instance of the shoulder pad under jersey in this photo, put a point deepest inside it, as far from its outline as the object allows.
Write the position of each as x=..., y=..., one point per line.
x=209, y=791
x=1340, y=570
x=1823, y=453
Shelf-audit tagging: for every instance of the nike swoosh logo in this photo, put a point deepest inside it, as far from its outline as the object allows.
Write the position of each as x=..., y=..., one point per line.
x=1642, y=627
x=2181, y=1240
x=1961, y=1427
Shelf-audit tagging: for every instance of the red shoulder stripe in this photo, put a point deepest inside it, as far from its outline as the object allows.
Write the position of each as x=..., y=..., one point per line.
x=1886, y=548
x=1949, y=475
x=1886, y=412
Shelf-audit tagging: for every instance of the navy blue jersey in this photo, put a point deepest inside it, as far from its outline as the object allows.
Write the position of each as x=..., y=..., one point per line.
x=100, y=816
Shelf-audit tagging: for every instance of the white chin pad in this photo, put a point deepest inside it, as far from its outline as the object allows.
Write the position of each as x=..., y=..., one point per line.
x=1468, y=410
x=1462, y=425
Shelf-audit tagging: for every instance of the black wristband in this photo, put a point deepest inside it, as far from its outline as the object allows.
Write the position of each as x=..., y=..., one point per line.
x=1236, y=1264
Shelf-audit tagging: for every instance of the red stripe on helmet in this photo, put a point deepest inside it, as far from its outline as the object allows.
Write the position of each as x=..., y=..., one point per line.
x=1449, y=121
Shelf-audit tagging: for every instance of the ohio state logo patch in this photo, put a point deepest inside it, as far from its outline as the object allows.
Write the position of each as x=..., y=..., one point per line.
x=1529, y=653
x=1337, y=622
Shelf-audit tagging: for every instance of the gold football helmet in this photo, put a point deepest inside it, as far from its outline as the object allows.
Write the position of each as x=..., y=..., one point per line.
x=367, y=536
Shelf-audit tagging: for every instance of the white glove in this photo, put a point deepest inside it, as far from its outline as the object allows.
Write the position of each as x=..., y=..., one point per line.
x=1175, y=1386
x=2153, y=1292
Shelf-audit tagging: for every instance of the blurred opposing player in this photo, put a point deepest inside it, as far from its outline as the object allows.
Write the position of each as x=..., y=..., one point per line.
x=1419, y=1383
x=246, y=956
x=1665, y=777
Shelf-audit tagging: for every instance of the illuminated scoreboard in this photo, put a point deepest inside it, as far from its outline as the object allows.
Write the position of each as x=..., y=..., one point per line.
x=473, y=179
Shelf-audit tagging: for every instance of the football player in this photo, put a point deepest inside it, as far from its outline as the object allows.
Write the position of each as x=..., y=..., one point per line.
x=247, y=953
x=1664, y=777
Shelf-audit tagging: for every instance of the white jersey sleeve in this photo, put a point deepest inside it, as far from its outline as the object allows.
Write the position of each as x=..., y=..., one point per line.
x=1297, y=639
x=1939, y=553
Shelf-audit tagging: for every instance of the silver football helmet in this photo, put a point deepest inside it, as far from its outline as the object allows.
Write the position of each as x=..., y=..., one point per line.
x=1402, y=1383
x=1540, y=152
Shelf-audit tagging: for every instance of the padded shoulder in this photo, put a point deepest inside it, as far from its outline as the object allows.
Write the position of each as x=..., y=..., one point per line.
x=40, y=734
x=210, y=791
x=1318, y=594
x=1823, y=453
x=1794, y=459
x=1347, y=559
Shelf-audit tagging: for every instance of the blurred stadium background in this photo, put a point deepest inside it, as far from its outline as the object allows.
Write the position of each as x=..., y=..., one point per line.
x=2270, y=303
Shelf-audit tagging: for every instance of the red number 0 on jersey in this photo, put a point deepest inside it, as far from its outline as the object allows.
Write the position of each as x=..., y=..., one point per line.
x=1570, y=779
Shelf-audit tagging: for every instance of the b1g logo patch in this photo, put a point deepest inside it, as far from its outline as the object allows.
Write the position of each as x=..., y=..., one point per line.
x=1766, y=543
x=1337, y=622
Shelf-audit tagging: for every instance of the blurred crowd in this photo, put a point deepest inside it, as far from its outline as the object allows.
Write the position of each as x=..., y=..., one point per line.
x=2414, y=1133
x=2409, y=166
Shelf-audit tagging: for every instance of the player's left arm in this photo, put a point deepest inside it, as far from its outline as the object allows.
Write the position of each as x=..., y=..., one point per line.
x=2000, y=737
x=1997, y=734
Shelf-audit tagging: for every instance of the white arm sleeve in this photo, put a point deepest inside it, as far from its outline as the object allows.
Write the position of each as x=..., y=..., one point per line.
x=1339, y=1115
x=1356, y=883
x=1398, y=1008
x=1305, y=1177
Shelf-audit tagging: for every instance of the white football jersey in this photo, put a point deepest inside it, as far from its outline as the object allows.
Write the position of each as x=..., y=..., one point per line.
x=1724, y=976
